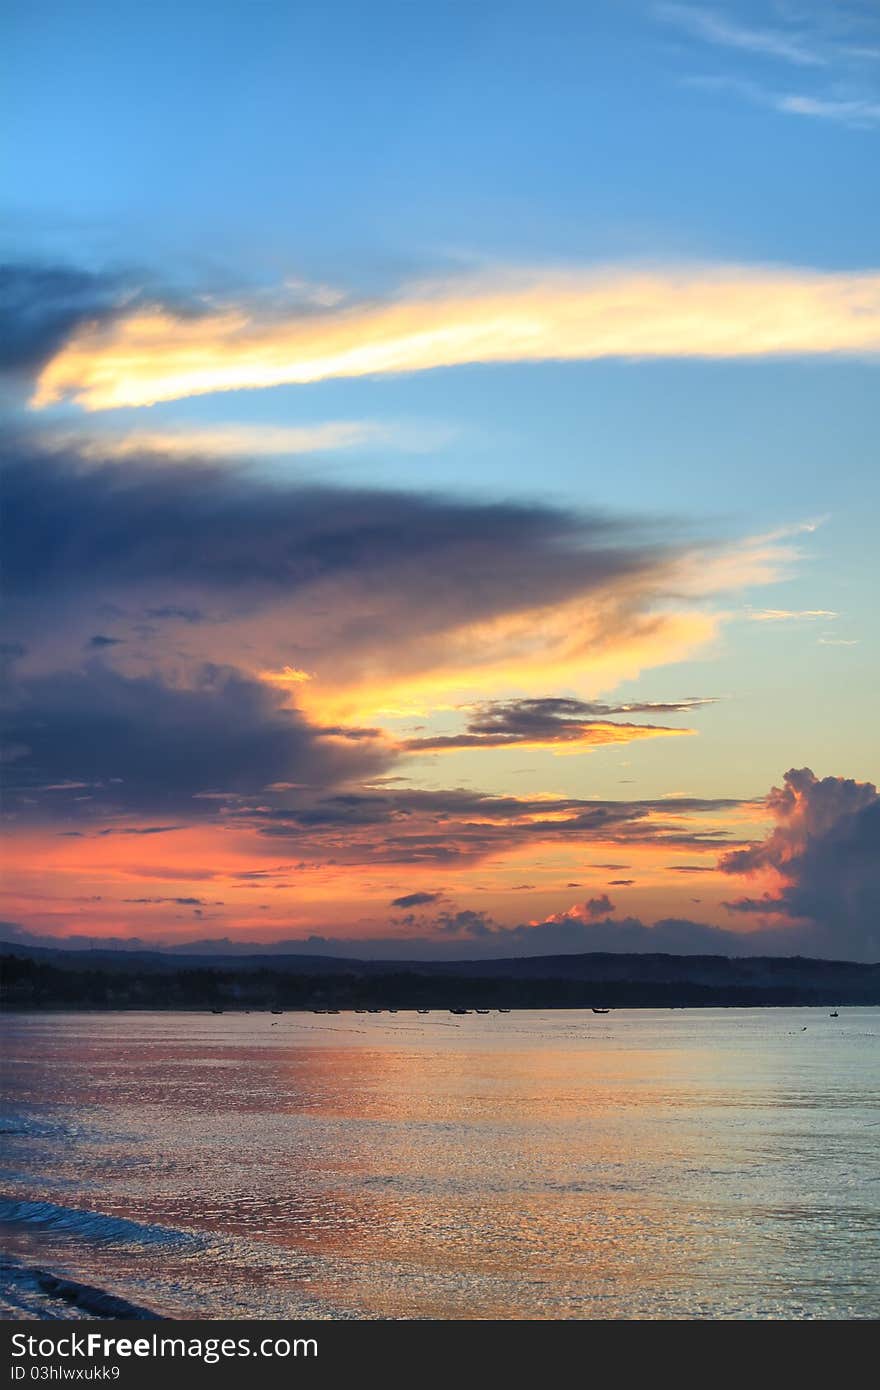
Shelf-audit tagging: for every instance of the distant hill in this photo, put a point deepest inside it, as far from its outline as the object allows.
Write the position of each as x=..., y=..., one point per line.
x=43, y=977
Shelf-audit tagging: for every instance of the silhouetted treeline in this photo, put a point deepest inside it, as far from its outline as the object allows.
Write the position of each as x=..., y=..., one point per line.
x=29, y=983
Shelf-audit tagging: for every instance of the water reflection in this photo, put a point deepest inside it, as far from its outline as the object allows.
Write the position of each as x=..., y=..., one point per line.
x=531, y=1165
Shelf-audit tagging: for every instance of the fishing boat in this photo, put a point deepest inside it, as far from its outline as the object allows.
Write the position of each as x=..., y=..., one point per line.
x=601, y=1011
x=459, y=1011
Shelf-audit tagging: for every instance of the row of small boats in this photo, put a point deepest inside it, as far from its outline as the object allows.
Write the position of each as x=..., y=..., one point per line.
x=418, y=1011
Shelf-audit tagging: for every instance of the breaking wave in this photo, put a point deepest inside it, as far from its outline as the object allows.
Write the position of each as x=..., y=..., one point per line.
x=89, y=1225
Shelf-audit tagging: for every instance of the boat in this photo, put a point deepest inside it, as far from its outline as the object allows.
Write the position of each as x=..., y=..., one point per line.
x=216, y=1011
x=601, y=1011
x=360, y=1011
x=276, y=1011
x=459, y=1011
x=423, y=1011
x=504, y=1011
x=834, y=1014
x=481, y=1011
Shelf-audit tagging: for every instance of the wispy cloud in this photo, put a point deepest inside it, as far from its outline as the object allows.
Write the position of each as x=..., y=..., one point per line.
x=858, y=114
x=529, y=315
x=716, y=28
x=564, y=725
x=238, y=440
x=788, y=615
x=836, y=48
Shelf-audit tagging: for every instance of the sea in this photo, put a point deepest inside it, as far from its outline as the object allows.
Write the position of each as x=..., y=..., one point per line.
x=640, y=1164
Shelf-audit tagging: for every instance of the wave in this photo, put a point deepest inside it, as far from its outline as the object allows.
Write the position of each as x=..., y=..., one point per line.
x=23, y=1126
x=89, y=1225
x=27, y=1292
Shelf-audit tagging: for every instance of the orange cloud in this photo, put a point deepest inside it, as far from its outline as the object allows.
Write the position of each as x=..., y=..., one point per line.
x=527, y=316
x=583, y=644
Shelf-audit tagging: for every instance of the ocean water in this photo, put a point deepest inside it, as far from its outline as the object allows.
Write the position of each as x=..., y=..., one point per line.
x=644, y=1164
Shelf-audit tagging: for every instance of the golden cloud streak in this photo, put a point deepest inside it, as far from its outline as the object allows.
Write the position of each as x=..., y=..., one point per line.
x=597, y=733
x=704, y=312
x=560, y=647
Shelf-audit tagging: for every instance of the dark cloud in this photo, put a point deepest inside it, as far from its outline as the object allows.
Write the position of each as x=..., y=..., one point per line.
x=16, y=934
x=586, y=928
x=416, y=899
x=191, y=541
x=216, y=526
x=136, y=830
x=459, y=826
x=598, y=907
x=465, y=922
x=142, y=745
x=42, y=305
x=169, y=611
x=468, y=935
x=343, y=580
x=180, y=902
x=549, y=720
x=825, y=854
x=678, y=936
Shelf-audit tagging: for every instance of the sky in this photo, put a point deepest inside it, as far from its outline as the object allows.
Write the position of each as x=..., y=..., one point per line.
x=440, y=476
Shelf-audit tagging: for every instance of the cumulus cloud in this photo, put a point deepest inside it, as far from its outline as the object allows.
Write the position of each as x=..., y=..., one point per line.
x=823, y=860
x=573, y=933
x=465, y=922
x=590, y=911
x=470, y=935
x=155, y=354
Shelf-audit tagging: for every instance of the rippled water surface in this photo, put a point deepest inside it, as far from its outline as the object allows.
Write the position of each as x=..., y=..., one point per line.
x=647, y=1164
